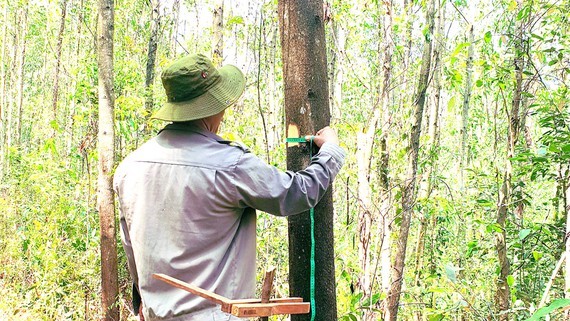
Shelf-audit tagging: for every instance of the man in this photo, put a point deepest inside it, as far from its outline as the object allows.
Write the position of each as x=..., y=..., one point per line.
x=188, y=198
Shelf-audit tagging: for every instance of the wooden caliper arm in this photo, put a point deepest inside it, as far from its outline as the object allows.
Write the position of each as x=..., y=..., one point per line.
x=243, y=307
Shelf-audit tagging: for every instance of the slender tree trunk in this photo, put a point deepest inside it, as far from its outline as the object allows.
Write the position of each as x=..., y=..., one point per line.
x=385, y=217
x=58, y=49
x=259, y=103
x=24, y=29
x=503, y=294
x=275, y=112
x=218, y=41
x=10, y=91
x=465, y=111
x=174, y=36
x=409, y=189
x=106, y=138
x=151, y=55
x=566, y=198
x=433, y=140
x=363, y=156
x=336, y=70
x=3, y=93
x=365, y=142
x=306, y=110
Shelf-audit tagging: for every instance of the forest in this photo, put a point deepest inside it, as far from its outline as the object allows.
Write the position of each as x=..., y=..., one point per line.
x=453, y=203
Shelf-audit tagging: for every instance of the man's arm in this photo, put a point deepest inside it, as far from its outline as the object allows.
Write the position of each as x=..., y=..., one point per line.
x=266, y=188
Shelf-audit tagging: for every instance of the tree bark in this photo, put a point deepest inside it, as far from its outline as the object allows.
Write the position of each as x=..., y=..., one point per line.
x=306, y=110
x=218, y=41
x=409, y=190
x=174, y=30
x=336, y=70
x=566, y=198
x=24, y=30
x=465, y=111
x=151, y=55
x=503, y=293
x=106, y=137
x=3, y=94
x=433, y=141
x=58, y=49
x=386, y=213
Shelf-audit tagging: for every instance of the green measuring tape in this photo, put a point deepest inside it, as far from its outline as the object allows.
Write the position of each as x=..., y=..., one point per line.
x=312, y=214
x=299, y=140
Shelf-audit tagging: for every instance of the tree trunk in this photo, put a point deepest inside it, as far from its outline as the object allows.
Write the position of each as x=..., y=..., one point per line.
x=10, y=92
x=503, y=294
x=336, y=69
x=151, y=55
x=3, y=94
x=465, y=111
x=259, y=103
x=24, y=28
x=363, y=156
x=306, y=110
x=218, y=41
x=385, y=194
x=58, y=49
x=106, y=137
x=174, y=30
x=566, y=197
x=433, y=141
x=409, y=190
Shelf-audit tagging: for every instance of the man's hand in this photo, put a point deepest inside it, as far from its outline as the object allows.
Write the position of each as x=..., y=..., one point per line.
x=324, y=135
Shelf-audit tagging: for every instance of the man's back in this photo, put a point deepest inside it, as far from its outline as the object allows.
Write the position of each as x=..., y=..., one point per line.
x=178, y=217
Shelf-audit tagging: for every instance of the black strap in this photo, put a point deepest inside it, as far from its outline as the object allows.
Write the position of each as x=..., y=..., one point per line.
x=136, y=299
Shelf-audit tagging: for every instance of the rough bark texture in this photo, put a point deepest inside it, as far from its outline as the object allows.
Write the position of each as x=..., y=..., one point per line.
x=106, y=137
x=363, y=155
x=503, y=294
x=58, y=49
x=465, y=111
x=433, y=141
x=24, y=30
x=409, y=189
x=151, y=55
x=565, y=189
x=307, y=108
x=218, y=41
x=3, y=95
x=385, y=195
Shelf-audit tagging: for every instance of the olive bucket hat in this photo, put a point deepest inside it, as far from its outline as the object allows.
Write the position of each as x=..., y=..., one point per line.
x=196, y=89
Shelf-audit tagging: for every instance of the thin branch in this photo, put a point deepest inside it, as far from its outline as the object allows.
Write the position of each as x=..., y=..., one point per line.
x=552, y=277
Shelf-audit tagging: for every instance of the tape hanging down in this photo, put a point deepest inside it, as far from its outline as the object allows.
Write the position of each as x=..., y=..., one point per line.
x=312, y=214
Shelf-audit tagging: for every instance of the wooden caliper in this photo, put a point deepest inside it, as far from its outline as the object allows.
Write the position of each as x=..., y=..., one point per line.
x=246, y=308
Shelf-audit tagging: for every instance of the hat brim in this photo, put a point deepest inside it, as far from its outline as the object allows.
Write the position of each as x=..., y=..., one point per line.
x=219, y=97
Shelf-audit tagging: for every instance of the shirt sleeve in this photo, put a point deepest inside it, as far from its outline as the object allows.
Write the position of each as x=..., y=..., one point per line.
x=268, y=189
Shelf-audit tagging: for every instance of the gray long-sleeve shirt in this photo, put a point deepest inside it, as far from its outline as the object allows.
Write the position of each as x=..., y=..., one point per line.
x=187, y=201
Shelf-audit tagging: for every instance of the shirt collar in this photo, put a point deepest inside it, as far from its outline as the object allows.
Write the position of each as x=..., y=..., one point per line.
x=192, y=128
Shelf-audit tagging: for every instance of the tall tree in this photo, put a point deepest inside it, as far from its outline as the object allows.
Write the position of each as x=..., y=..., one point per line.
x=385, y=217
x=20, y=89
x=3, y=94
x=218, y=40
x=151, y=54
x=106, y=139
x=306, y=110
x=465, y=111
x=58, y=49
x=409, y=188
x=503, y=292
x=433, y=141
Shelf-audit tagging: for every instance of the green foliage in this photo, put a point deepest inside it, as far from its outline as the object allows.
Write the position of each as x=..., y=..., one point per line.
x=50, y=256
x=555, y=305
